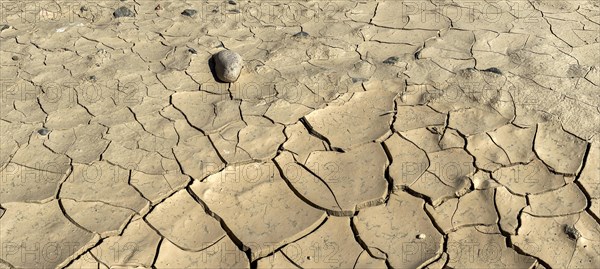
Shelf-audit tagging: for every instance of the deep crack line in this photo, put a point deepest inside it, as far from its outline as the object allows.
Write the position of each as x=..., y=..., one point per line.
x=228, y=230
x=297, y=193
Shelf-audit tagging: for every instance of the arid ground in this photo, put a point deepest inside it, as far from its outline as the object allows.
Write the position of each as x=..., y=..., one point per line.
x=360, y=134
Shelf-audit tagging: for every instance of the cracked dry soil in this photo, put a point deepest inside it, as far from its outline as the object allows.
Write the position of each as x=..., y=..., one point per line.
x=383, y=134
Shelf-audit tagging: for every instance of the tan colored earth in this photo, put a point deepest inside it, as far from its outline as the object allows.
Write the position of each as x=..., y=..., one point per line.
x=359, y=134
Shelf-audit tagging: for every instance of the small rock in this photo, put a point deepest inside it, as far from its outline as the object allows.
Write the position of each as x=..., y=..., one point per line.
x=123, y=12
x=92, y=78
x=301, y=34
x=493, y=70
x=83, y=9
x=421, y=236
x=572, y=232
x=228, y=65
x=4, y=27
x=354, y=80
x=43, y=131
x=189, y=12
x=15, y=58
x=391, y=60
x=232, y=2
x=192, y=51
x=158, y=7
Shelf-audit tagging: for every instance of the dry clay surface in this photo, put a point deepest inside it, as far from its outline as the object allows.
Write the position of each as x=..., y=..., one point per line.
x=388, y=134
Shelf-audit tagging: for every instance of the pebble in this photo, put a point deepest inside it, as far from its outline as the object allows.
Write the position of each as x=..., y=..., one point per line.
x=189, y=12
x=192, y=51
x=123, y=12
x=354, y=80
x=43, y=131
x=391, y=60
x=228, y=65
x=421, y=236
x=301, y=34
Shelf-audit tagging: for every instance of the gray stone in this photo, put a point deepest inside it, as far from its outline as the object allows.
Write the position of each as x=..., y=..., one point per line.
x=228, y=65
x=301, y=34
x=391, y=60
x=123, y=12
x=43, y=131
x=189, y=12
